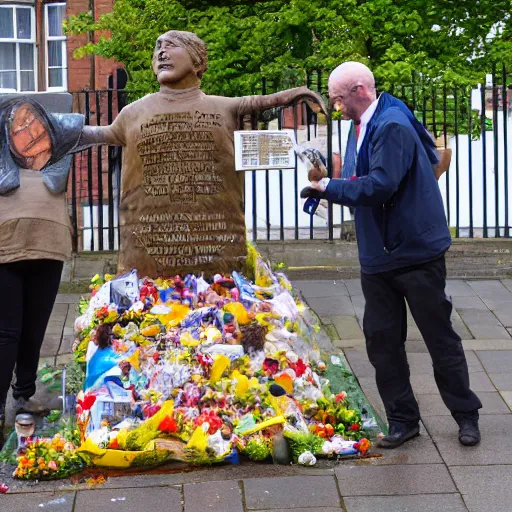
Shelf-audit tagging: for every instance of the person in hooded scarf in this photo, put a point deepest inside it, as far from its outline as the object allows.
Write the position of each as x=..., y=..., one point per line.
x=402, y=236
x=35, y=236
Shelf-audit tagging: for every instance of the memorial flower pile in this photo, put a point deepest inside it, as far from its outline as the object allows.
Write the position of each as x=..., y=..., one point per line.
x=200, y=371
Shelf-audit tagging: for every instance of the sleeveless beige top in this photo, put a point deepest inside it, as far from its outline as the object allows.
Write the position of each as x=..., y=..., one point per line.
x=34, y=223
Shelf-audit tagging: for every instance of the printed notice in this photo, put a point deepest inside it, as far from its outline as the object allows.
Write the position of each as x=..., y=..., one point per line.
x=264, y=149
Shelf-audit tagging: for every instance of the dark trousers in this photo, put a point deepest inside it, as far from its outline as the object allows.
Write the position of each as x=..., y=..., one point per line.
x=28, y=292
x=385, y=329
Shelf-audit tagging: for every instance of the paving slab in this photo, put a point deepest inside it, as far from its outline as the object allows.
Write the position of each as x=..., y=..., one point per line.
x=41, y=501
x=371, y=392
x=416, y=347
x=323, y=509
x=459, y=288
x=394, y=480
x=507, y=283
x=359, y=343
x=115, y=500
x=498, y=301
x=326, y=307
x=504, y=315
x=489, y=288
x=474, y=364
x=485, y=503
x=68, y=298
x=478, y=345
x=413, y=333
x=420, y=450
x=247, y=470
x=460, y=327
x=66, y=347
x=291, y=493
x=473, y=302
x=322, y=288
x=71, y=317
x=502, y=381
x=347, y=327
x=485, y=488
x=60, y=309
x=425, y=384
x=507, y=397
x=354, y=287
x=420, y=502
x=495, y=447
x=55, y=327
x=358, y=360
x=213, y=497
x=433, y=405
x=51, y=343
x=358, y=303
x=483, y=324
x=420, y=364
x=496, y=361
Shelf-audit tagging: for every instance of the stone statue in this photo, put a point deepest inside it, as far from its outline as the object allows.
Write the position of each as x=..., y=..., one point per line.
x=181, y=200
x=31, y=138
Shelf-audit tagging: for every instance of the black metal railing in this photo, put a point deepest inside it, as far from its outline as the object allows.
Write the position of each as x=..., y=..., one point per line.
x=472, y=121
x=95, y=176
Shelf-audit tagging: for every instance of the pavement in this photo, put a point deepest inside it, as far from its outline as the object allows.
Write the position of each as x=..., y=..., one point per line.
x=429, y=474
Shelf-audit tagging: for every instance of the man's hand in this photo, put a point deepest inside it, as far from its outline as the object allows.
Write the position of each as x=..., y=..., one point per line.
x=316, y=190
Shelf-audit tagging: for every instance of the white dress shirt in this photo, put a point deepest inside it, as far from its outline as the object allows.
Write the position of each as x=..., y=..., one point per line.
x=365, y=119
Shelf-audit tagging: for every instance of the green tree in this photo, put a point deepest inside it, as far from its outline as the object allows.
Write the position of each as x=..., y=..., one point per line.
x=440, y=41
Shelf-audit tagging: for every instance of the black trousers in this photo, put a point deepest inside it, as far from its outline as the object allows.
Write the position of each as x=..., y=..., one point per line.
x=27, y=294
x=385, y=329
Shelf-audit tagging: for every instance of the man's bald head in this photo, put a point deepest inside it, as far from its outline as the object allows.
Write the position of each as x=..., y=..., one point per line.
x=352, y=89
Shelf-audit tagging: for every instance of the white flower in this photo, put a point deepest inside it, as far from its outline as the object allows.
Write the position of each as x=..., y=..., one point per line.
x=436, y=28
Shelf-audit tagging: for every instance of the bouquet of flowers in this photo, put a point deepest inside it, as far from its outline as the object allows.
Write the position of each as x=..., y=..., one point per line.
x=48, y=459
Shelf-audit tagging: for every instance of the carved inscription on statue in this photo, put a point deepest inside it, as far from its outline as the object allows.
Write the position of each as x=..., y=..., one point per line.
x=186, y=239
x=177, y=156
x=177, y=152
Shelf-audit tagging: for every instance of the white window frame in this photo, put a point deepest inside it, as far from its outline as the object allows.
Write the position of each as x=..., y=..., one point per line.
x=47, y=39
x=17, y=42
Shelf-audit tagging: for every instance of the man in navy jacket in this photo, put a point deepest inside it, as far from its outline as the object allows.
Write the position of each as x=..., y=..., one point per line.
x=402, y=237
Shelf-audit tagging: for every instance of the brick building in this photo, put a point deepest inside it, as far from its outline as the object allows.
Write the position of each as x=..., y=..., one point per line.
x=35, y=55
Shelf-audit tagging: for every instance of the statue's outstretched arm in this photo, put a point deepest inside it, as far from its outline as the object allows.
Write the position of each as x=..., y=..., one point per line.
x=250, y=104
x=95, y=135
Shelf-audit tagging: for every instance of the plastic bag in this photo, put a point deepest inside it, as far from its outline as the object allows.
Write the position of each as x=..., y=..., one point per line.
x=124, y=290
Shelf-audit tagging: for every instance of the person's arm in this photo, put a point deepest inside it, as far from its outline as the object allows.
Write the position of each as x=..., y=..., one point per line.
x=249, y=104
x=391, y=158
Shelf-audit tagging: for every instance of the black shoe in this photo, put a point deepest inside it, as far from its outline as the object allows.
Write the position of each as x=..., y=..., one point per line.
x=469, y=433
x=399, y=433
x=30, y=406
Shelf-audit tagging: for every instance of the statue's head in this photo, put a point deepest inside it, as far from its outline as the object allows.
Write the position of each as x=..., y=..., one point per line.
x=179, y=59
x=29, y=133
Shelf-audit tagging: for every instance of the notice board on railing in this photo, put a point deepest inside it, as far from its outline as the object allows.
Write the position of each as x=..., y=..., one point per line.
x=264, y=149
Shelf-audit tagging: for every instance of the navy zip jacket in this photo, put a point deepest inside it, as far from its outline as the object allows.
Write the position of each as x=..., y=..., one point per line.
x=399, y=213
